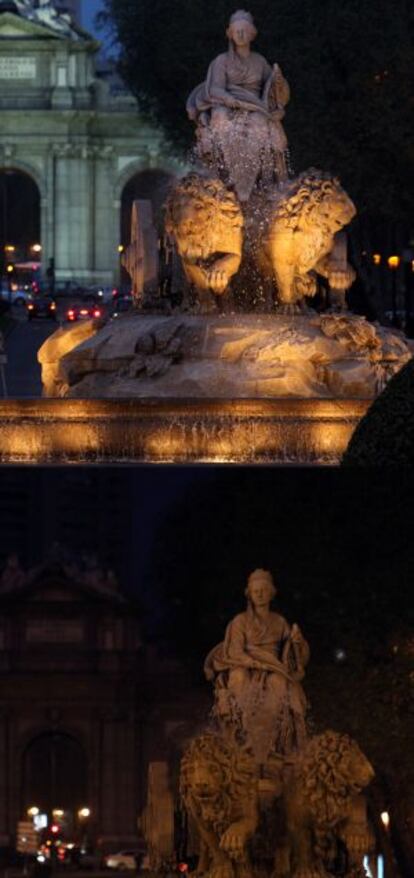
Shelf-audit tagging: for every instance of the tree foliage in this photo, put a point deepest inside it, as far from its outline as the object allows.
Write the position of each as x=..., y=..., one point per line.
x=385, y=436
x=350, y=65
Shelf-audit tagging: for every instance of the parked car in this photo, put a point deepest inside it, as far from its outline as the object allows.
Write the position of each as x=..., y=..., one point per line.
x=16, y=295
x=106, y=295
x=124, y=860
x=83, y=312
x=68, y=288
x=41, y=306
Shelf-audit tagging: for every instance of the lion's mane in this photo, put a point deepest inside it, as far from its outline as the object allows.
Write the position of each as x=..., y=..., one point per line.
x=237, y=778
x=307, y=194
x=210, y=201
x=331, y=772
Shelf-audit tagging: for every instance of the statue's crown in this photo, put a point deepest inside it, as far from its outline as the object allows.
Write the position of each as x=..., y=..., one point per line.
x=242, y=15
x=259, y=576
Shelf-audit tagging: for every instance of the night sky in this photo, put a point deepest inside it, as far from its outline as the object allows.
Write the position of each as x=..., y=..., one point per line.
x=89, y=10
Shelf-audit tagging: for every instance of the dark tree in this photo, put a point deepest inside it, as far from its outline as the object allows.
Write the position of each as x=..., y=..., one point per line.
x=385, y=436
x=350, y=65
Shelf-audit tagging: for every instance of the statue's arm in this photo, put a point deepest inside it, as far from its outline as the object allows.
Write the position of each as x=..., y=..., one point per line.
x=235, y=645
x=217, y=84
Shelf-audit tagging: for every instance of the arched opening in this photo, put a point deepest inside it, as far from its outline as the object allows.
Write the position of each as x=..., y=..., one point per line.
x=20, y=227
x=55, y=777
x=152, y=185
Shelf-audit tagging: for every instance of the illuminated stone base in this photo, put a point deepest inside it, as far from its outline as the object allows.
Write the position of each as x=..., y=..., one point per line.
x=283, y=431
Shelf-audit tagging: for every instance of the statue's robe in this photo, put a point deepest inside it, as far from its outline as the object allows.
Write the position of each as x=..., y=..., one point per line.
x=269, y=696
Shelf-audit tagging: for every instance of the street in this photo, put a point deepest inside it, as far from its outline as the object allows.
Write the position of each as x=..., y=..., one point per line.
x=23, y=377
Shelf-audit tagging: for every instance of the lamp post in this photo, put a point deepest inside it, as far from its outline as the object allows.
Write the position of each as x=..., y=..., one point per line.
x=393, y=265
x=83, y=817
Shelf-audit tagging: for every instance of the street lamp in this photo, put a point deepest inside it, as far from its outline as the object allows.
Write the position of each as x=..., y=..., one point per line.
x=385, y=819
x=37, y=248
x=393, y=265
x=33, y=811
x=83, y=815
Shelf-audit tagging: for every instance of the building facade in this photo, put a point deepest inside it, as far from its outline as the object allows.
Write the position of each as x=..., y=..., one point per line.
x=76, y=132
x=88, y=714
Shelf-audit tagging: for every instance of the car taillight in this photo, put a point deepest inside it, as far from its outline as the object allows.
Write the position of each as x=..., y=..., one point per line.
x=97, y=313
x=71, y=315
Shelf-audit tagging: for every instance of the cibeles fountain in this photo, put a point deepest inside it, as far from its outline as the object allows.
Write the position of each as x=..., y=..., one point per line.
x=263, y=795
x=245, y=368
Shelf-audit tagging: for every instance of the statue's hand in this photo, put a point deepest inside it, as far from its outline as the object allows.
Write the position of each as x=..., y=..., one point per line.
x=296, y=634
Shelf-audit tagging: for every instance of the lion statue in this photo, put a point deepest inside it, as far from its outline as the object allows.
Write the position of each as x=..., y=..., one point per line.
x=219, y=790
x=206, y=222
x=297, y=237
x=323, y=807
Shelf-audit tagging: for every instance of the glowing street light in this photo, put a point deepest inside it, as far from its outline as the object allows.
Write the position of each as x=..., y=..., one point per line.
x=37, y=248
x=10, y=248
x=84, y=813
x=58, y=812
x=385, y=819
x=33, y=811
x=377, y=258
x=393, y=262
x=121, y=248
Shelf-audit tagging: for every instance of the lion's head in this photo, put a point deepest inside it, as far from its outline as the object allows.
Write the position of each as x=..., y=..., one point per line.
x=204, y=218
x=316, y=200
x=217, y=776
x=332, y=770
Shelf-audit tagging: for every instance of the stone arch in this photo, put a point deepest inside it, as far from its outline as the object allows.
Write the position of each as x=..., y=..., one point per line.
x=28, y=169
x=139, y=166
x=54, y=770
x=22, y=195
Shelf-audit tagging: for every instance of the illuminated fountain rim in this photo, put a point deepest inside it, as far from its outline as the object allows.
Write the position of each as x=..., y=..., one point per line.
x=177, y=431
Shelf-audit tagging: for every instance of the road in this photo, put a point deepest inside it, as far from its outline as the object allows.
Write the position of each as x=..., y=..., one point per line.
x=22, y=370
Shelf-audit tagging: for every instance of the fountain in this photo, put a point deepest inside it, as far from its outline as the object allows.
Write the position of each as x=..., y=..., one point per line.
x=244, y=369
x=263, y=796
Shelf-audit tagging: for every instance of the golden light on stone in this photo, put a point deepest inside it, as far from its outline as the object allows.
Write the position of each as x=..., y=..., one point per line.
x=393, y=262
x=235, y=431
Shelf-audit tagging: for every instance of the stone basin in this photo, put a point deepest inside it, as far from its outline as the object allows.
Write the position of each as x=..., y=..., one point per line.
x=283, y=431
